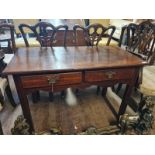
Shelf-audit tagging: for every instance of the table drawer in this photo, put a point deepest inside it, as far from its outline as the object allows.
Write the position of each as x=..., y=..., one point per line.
x=111, y=74
x=49, y=79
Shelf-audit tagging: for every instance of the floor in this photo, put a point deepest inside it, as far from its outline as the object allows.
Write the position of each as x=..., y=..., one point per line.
x=72, y=114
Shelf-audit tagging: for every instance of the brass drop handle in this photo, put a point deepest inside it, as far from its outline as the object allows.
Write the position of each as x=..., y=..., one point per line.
x=52, y=79
x=110, y=74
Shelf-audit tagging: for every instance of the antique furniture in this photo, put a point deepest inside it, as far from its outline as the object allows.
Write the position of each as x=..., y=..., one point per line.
x=59, y=36
x=133, y=31
x=141, y=42
x=46, y=34
x=69, y=36
x=70, y=33
x=7, y=45
x=58, y=68
x=118, y=23
x=7, y=40
x=93, y=34
x=4, y=85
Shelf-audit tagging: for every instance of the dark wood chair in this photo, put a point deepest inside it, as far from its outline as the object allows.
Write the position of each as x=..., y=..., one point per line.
x=92, y=35
x=140, y=40
x=135, y=36
x=4, y=84
x=7, y=39
x=46, y=34
x=7, y=46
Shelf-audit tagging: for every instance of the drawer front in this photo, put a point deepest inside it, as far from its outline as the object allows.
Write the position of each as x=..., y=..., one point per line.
x=111, y=74
x=51, y=79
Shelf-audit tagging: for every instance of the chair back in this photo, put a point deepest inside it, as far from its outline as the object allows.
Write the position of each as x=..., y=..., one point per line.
x=94, y=33
x=140, y=40
x=7, y=39
x=45, y=33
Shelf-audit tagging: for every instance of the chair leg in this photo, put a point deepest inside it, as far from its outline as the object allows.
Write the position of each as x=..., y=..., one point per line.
x=113, y=88
x=141, y=97
x=141, y=103
x=104, y=91
x=119, y=87
x=1, y=98
x=51, y=96
x=77, y=92
x=63, y=94
x=10, y=96
x=98, y=90
x=35, y=96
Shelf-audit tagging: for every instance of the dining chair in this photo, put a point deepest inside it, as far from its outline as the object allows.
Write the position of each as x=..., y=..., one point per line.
x=133, y=31
x=4, y=84
x=46, y=35
x=140, y=41
x=92, y=35
x=7, y=47
x=7, y=38
x=134, y=35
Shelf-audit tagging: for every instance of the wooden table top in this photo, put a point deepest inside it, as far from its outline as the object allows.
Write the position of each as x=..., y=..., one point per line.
x=56, y=59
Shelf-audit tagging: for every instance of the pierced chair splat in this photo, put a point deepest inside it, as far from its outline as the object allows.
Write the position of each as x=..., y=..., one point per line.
x=45, y=33
x=94, y=33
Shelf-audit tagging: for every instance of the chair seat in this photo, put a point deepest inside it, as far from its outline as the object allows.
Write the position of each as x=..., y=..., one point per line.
x=32, y=42
x=148, y=82
x=8, y=58
x=104, y=41
x=3, y=84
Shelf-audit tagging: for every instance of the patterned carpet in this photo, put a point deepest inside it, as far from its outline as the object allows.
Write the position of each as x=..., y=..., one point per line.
x=90, y=114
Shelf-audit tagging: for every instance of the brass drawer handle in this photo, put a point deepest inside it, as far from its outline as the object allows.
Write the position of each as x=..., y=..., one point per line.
x=110, y=74
x=52, y=79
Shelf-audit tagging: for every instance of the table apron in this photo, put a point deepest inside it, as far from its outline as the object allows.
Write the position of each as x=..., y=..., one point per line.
x=60, y=81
